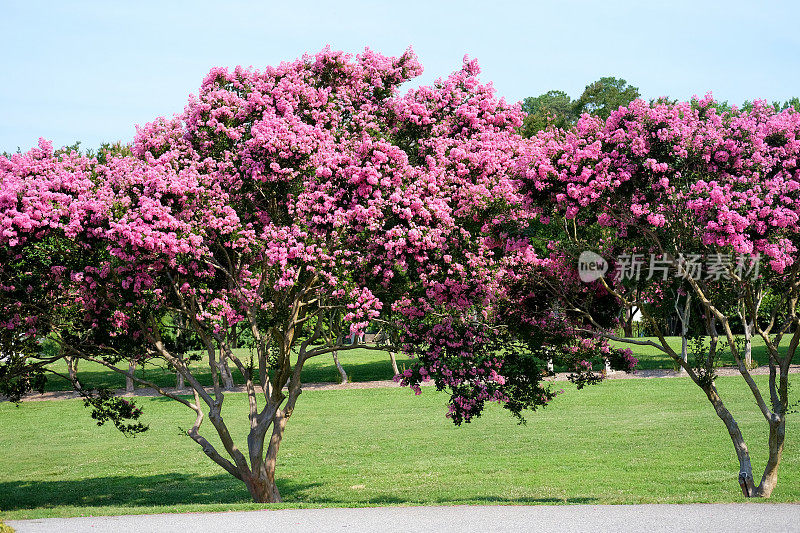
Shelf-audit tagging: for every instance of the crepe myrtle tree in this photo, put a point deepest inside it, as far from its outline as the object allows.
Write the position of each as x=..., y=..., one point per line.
x=39, y=189
x=298, y=203
x=707, y=203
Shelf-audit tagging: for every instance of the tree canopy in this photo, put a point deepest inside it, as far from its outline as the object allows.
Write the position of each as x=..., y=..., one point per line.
x=605, y=96
x=556, y=109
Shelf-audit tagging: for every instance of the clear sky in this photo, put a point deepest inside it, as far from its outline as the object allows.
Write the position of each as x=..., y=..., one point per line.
x=89, y=71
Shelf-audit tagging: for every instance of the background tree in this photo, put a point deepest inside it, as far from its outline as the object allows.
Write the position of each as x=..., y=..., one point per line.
x=553, y=108
x=605, y=96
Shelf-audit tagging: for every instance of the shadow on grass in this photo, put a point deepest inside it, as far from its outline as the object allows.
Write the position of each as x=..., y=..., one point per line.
x=316, y=371
x=114, y=380
x=357, y=372
x=724, y=358
x=180, y=489
x=654, y=359
x=132, y=491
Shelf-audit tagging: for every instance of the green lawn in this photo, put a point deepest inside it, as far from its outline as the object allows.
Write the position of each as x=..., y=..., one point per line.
x=625, y=441
x=360, y=364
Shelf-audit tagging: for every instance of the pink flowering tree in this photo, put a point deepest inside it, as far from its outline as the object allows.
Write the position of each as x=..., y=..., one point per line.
x=38, y=191
x=299, y=203
x=696, y=210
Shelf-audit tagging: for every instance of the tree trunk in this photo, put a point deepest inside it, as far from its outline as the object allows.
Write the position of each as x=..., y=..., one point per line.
x=394, y=364
x=233, y=343
x=342, y=373
x=627, y=322
x=777, y=433
x=748, y=344
x=684, y=317
x=684, y=352
x=713, y=338
x=129, y=376
x=747, y=325
x=261, y=480
x=742, y=454
x=72, y=369
x=179, y=381
x=225, y=372
x=264, y=489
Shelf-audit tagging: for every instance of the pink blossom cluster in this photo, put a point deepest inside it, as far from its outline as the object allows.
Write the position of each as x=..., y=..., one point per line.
x=730, y=177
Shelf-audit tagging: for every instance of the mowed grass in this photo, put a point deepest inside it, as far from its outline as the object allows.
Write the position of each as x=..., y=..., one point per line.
x=623, y=441
x=360, y=365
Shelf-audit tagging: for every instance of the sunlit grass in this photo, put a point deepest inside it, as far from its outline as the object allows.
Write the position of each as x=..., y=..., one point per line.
x=631, y=441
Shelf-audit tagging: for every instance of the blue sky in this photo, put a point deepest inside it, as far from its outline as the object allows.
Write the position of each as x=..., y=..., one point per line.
x=89, y=71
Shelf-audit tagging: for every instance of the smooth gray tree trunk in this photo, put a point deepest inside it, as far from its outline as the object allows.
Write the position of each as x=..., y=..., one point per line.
x=748, y=340
x=72, y=369
x=684, y=316
x=342, y=374
x=129, y=384
x=225, y=372
x=393, y=359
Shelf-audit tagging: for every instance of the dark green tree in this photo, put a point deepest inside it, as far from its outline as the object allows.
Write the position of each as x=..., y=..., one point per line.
x=793, y=102
x=553, y=108
x=605, y=96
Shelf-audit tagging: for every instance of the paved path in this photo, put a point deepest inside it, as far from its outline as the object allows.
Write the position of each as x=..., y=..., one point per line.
x=591, y=518
x=562, y=376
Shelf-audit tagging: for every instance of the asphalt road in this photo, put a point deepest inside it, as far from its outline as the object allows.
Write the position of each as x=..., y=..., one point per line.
x=591, y=518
